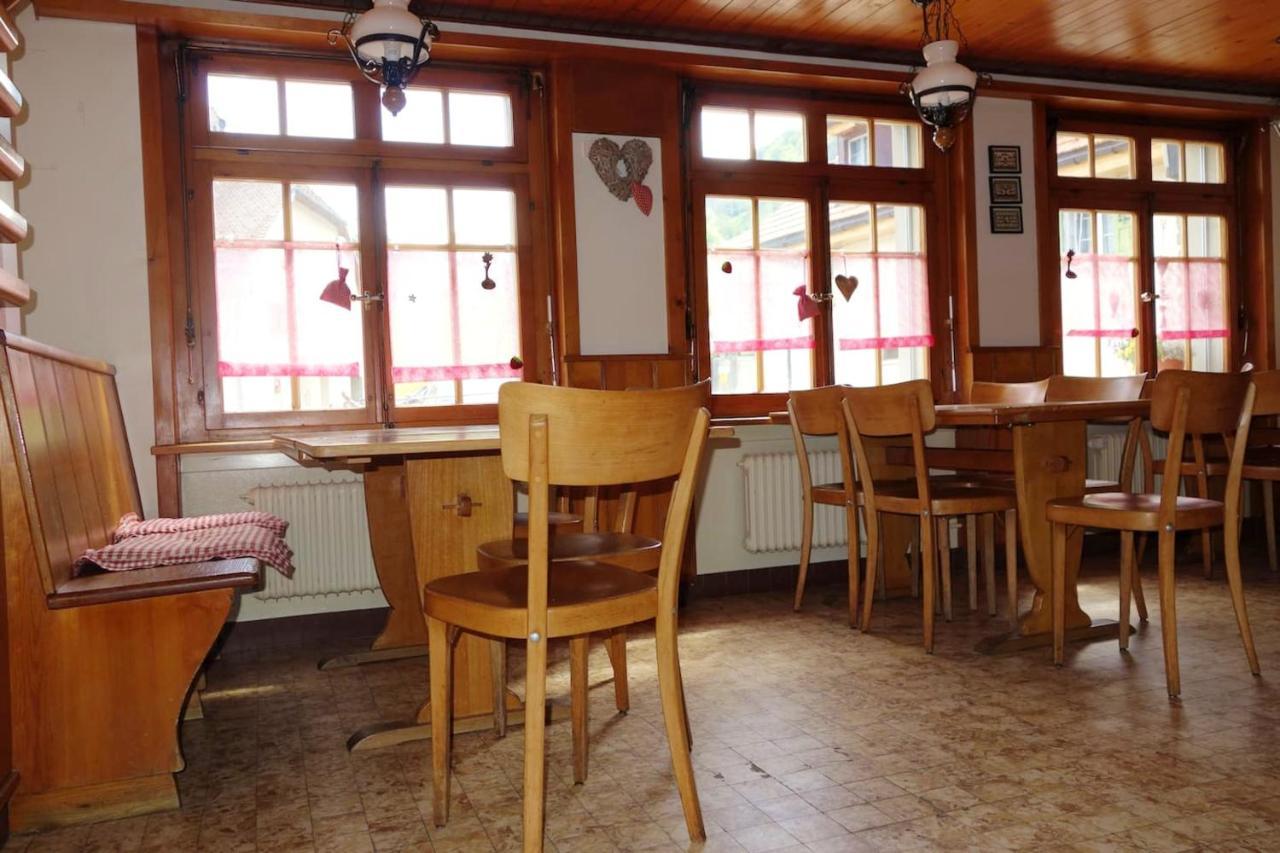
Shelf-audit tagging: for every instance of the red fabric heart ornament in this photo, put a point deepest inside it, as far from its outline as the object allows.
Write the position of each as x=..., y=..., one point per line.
x=807, y=307
x=338, y=292
x=644, y=198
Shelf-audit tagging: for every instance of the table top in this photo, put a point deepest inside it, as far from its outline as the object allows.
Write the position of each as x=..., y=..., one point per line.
x=1023, y=414
x=403, y=441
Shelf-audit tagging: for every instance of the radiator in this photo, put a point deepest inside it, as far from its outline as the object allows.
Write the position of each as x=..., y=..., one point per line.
x=329, y=535
x=772, y=490
x=1106, y=451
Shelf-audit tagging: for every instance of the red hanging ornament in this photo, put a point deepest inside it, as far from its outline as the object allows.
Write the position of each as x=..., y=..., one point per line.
x=807, y=307
x=338, y=292
x=643, y=197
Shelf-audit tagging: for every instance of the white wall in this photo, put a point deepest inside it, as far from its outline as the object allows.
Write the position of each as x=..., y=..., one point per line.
x=86, y=259
x=1008, y=266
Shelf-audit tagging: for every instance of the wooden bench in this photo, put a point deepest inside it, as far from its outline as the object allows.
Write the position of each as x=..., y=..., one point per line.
x=100, y=665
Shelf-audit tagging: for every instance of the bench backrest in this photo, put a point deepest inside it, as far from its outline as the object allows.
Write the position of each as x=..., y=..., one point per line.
x=70, y=449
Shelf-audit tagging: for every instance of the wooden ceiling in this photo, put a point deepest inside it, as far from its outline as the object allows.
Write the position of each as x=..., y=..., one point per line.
x=1217, y=45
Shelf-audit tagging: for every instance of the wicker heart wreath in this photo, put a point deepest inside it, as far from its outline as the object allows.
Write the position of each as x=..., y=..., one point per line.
x=623, y=169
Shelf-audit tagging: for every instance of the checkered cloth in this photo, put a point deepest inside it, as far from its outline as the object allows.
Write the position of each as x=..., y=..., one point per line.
x=138, y=544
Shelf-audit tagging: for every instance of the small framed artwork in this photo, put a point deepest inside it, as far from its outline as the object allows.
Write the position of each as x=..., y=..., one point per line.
x=1005, y=159
x=1006, y=189
x=1006, y=220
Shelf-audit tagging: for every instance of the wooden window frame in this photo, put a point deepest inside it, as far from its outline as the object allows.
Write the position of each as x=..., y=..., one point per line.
x=1146, y=197
x=818, y=183
x=368, y=162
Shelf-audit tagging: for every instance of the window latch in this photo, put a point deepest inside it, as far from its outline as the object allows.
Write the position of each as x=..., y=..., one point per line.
x=367, y=298
x=1148, y=296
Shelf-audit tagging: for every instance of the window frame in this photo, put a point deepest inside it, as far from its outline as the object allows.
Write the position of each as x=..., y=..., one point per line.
x=1145, y=197
x=818, y=183
x=365, y=161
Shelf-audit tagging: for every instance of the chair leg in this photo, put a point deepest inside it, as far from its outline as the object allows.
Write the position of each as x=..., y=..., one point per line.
x=915, y=564
x=1126, y=585
x=1206, y=535
x=535, y=722
x=1169, y=613
x=1059, y=550
x=1011, y=565
x=944, y=564
x=1269, y=519
x=971, y=553
x=616, y=645
x=929, y=555
x=440, y=664
x=806, y=544
x=1139, y=598
x=989, y=559
x=498, y=666
x=855, y=545
x=578, y=652
x=670, y=688
x=873, y=562
x=1231, y=548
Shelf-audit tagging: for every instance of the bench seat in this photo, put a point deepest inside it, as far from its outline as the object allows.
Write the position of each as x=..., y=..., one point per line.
x=104, y=587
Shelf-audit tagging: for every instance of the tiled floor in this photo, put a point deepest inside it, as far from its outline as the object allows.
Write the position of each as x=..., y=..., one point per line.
x=806, y=736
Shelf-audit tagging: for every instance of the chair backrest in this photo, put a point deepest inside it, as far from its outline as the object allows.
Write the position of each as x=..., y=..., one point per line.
x=577, y=437
x=1266, y=401
x=1189, y=403
x=1073, y=389
x=817, y=412
x=69, y=449
x=1008, y=393
x=904, y=410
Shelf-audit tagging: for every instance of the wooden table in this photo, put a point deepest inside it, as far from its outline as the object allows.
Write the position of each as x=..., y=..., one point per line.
x=432, y=494
x=1049, y=460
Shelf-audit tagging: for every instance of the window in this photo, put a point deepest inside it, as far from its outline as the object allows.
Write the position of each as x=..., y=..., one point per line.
x=1144, y=275
x=781, y=243
x=337, y=289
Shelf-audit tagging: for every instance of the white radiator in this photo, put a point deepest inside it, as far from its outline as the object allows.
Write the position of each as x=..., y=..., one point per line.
x=329, y=535
x=1106, y=451
x=772, y=489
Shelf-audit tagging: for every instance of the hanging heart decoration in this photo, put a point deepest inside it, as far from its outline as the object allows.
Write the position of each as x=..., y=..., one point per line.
x=846, y=284
x=623, y=168
x=807, y=307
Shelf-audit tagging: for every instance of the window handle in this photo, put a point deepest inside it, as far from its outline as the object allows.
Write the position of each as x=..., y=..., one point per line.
x=367, y=298
x=1148, y=297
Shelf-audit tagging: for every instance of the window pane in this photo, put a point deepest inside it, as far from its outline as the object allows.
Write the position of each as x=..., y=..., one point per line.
x=1099, y=299
x=1191, y=280
x=281, y=347
x=480, y=119
x=1073, y=155
x=848, y=141
x=758, y=343
x=325, y=213
x=243, y=105
x=417, y=216
x=452, y=341
x=1204, y=163
x=319, y=109
x=882, y=333
x=726, y=134
x=421, y=119
x=1166, y=160
x=898, y=144
x=780, y=137
x=1113, y=157
x=484, y=217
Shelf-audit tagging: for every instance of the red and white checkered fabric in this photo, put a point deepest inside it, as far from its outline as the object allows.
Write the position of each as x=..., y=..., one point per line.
x=138, y=544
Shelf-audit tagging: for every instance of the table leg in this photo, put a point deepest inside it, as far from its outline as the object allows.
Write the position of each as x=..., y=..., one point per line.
x=1049, y=460
x=405, y=634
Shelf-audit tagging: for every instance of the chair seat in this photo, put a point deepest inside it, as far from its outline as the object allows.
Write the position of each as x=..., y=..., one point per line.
x=1260, y=463
x=629, y=550
x=947, y=497
x=829, y=493
x=1095, y=486
x=582, y=598
x=1124, y=511
x=555, y=519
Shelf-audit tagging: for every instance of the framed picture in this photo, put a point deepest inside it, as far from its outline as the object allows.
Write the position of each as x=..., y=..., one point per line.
x=1005, y=159
x=1006, y=190
x=1006, y=220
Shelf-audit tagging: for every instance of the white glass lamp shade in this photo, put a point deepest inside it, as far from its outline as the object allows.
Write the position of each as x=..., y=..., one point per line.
x=943, y=82
x=389, y=31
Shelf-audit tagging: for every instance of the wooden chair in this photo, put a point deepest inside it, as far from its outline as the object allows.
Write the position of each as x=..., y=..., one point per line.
x=906, y=411
x=817, y=413
x=101, y=662
x=1263, y=463
x=1008, y=393
x=1073, y=389
x=575, y=437
x=1183, y=404
x=617, y=547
